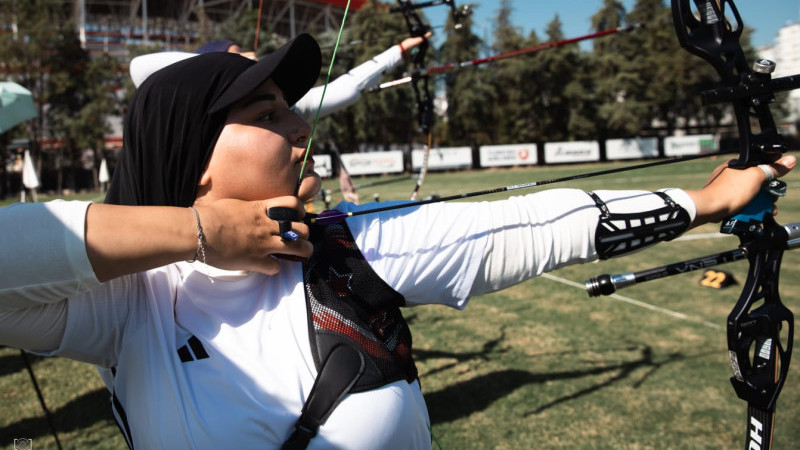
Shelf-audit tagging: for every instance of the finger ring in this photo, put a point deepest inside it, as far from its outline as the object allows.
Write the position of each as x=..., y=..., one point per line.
x=286, y=232
x=290, y=235
x=284, y=217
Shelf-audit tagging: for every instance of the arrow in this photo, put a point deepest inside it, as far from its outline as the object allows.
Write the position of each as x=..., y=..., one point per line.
x=450, y=67
x=332, y=216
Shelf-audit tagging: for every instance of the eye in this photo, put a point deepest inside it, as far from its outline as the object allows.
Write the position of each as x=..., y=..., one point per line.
x=268, y=116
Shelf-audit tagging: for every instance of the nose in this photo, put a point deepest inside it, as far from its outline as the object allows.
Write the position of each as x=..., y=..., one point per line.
x=301, y=133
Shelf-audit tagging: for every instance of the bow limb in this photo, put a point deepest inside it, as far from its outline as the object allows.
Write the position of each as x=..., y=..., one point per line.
x=422, y=93
x=424, y=170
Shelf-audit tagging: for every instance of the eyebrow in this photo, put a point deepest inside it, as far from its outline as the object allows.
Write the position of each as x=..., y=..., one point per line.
x=263, y=97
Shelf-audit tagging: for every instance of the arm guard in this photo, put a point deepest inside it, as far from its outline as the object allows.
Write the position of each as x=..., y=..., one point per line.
x=620, y=234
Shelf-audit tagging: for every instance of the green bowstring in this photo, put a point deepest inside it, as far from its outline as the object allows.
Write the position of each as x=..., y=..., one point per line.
x=324, y=89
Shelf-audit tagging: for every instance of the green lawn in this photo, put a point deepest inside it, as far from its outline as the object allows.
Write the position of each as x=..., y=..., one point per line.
x=539, y=365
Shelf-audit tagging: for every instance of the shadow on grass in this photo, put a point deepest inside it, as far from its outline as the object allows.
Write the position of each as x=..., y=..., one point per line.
x=81, y=412
x=13, y=362
x=462, y=399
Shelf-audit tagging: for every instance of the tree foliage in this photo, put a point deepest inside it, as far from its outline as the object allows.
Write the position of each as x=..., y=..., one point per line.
x=625, y=84
x=75, y=92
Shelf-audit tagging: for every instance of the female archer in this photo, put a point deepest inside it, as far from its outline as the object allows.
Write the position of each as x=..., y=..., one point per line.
x=212, y=328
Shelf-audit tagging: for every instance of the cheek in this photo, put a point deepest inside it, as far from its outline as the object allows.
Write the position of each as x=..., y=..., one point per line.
x=249, y=163
x=248, y=147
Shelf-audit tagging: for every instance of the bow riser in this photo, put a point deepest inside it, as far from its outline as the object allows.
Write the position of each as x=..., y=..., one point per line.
x=760, y=356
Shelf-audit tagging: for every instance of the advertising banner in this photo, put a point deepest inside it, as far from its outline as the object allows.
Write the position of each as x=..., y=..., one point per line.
x=443, y=158
x=689, y=145
x=508, y=155
x=638, y=148
x=373, y=163
x=323, y=165
x=571, y=152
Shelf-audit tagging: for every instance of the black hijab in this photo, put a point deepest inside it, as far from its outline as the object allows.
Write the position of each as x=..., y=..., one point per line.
x=177, y=114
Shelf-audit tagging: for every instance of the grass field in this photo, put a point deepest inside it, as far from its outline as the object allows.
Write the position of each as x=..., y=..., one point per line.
x=539, y=365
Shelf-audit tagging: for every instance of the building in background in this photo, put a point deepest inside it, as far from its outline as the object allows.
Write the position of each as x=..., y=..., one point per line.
x=113, y=26
x=785, y=52
x=110, y=26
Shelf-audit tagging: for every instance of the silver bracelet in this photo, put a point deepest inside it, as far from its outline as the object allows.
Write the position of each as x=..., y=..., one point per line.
x=201, y=248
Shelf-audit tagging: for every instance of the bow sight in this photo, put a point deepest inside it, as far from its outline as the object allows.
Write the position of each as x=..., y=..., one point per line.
x=760, y=328
x=418, y=28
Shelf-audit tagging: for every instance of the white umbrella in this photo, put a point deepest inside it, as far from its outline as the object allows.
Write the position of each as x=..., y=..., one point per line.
x=103, y=176
x=29, y=178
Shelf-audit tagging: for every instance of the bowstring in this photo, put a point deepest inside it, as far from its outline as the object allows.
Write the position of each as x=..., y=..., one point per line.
x=324, y=89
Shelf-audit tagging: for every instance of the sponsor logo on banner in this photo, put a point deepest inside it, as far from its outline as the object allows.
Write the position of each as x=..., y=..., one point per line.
x=373, y=163
x=323, y=165
x=507, y=155
x=443, y=158
x=638, y=148
x=689, y=145
x=568, y=152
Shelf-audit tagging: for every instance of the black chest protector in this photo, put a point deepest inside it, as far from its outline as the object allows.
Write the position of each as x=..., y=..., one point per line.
x=359, y=339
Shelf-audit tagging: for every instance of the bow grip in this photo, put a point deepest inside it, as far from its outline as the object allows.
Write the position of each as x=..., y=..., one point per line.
x=752, y=216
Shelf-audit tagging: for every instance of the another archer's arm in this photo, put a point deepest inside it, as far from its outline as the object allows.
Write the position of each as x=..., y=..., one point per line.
x=346, y=89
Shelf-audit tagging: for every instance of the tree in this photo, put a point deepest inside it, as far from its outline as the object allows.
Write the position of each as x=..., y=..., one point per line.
x=25, y=54
x=511, y=107
x=558, y=67
x=667, y=79
x=385, y=117
x=470, y=93
x=619, y=114
x=75, y=93
x=80, y=92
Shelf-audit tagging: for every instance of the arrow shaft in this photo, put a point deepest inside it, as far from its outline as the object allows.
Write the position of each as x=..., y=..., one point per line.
x=510, y=54
x=450, y=67
x=512, y=187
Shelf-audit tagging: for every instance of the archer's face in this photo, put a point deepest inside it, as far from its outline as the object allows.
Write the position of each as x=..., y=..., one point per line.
x=260, y=151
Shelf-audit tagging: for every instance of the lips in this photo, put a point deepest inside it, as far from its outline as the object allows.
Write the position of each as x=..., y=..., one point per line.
x=309, y=165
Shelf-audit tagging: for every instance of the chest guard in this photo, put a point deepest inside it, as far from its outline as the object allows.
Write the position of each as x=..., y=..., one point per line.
x=349, y=304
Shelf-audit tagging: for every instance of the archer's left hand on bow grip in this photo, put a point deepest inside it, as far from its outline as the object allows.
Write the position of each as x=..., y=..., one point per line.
x=753, y=214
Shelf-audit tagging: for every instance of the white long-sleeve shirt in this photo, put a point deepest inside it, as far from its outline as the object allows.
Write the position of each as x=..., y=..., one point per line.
x=249, y=366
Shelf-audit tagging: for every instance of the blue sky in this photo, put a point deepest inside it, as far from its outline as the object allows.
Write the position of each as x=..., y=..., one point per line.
x=764, y=16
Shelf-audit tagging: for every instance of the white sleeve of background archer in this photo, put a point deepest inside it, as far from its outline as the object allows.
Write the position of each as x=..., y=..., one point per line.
x=143, y=66
x=346, y=89
x=446, y=253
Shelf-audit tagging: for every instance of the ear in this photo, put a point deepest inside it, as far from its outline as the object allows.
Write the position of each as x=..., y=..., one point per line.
x=204, y=184
x=205, y=179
